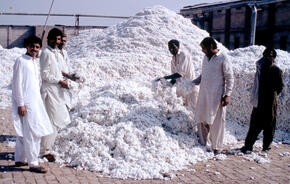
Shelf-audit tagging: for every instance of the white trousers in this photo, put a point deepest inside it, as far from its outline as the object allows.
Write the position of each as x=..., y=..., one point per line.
x=47, y=142
x=213, y=134
x=27, y=147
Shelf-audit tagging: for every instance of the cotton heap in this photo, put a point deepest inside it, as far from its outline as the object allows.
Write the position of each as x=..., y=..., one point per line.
x=123, y=126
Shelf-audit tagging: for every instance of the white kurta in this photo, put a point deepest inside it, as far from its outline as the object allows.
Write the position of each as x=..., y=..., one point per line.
x=26, y=91
x=35, y=123
x=181, y=63
x=64, y=62
x=217, y=80
x=51, y=91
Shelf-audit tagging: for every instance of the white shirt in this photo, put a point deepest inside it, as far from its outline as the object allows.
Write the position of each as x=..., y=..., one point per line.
x=181, y=63
x=64, y=61
x=52, y=93
x=26, y=92
x=217, y=80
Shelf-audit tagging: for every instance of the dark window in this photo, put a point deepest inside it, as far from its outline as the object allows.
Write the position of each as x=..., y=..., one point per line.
x=238, y=8
x=283, y=42
x=237, y=42
x=219, y=11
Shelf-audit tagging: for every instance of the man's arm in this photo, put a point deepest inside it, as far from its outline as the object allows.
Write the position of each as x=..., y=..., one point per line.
x=17, y=87
x=229, y=80
x=279, y=81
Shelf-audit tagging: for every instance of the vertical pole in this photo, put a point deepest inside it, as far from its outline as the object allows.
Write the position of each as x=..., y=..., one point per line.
x=44, y=27
x=77, y=24
x=253, y=23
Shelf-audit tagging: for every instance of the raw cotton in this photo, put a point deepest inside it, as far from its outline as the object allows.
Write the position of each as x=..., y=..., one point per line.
x=123, y=124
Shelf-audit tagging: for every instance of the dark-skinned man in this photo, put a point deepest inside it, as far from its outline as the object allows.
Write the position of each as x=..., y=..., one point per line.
x=216, y=83
x=268, y=83
x=51, y=90
x=181, y=69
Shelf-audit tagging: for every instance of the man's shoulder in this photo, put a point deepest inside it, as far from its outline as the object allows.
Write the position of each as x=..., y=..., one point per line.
x=183, y=53
x=276, y=68
x=45, y=51
x=223, y=54
x=21, y=59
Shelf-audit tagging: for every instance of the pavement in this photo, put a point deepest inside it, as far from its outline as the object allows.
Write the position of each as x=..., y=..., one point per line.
x=234, y=169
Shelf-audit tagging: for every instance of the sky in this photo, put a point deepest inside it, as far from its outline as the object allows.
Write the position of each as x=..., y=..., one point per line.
x=94, y=7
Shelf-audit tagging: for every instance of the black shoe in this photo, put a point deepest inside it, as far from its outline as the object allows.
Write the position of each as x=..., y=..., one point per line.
x=266, y=149
x=49, y=157
x=216, y=152
x=245, y=149
x=20, y=164
x=37, y=169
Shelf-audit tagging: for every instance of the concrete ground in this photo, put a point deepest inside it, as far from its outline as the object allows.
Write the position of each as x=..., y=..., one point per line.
x=234, y=169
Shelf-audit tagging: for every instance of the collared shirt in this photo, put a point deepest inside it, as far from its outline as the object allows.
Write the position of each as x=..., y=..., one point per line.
x=181, y=63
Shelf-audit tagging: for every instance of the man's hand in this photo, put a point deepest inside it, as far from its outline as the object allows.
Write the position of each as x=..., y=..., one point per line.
x=64, y=84
x=74, y=77
x=158, y=79
x=21, y=110
x=225, y=100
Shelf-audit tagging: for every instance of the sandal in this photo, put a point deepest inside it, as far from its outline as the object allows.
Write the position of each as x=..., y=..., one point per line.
x=20, y=164
x=38, y=169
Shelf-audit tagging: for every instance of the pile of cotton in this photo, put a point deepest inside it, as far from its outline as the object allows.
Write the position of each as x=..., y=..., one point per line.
x=128, y=131
x=124, y=124
x=8, y=57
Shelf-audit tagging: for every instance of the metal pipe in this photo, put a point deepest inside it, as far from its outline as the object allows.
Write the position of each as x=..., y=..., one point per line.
x=253, y=23
x=66, y=15
x=44, y=27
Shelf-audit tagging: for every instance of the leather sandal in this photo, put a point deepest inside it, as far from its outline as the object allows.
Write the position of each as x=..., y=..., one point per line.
x=20, y=164
x=38, y=169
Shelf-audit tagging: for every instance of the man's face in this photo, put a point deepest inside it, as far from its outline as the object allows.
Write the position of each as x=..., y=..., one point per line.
x=270, y=57
x=55, y=43
x=204, y=50
x=62, y=43
x=173, y=49
x=33, y=49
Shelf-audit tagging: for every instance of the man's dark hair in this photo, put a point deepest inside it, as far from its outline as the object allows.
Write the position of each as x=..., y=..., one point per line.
x=53, y=33
x=32, y=40
x=173, y=42
x=206, y=42
x=269, y=51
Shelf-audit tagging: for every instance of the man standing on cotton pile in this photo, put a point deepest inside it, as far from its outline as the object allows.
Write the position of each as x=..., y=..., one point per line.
x=216, y=84
x=64, y=62
x=181, y=69
x=268, y=84
x=31, y=121
x=51, y=90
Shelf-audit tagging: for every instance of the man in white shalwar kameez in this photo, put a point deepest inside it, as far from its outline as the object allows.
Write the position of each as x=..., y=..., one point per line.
x=216, y=84
x=30, y=119
x=51, y=90
x=182, y=69
x=65, y=69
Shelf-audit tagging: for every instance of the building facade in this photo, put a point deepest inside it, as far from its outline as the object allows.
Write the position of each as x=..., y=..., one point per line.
x=14, y=35
x=233, y=22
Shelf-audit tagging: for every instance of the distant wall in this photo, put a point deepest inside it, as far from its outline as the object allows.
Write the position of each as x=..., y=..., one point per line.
x=13, y=35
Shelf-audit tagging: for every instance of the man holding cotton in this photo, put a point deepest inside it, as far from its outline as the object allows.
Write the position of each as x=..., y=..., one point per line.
x=30, y=119
x=181, y=69
x=51, y=90
x=216, y=84
x=64, y=62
